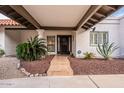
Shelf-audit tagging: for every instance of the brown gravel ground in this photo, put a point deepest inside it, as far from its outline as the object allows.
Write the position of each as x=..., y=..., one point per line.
x=39, y=66
x=96, y=66
x=8, y=68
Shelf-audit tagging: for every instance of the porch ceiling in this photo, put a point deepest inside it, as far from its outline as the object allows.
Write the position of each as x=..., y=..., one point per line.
x=57, y=17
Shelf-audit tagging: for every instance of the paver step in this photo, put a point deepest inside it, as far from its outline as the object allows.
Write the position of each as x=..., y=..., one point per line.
x=60, y=66
x=60, y=73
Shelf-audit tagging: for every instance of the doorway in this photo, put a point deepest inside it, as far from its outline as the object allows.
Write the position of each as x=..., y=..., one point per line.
x=64, y=44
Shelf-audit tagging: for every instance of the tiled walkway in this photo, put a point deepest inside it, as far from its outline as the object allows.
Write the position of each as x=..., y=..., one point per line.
x=60, y=66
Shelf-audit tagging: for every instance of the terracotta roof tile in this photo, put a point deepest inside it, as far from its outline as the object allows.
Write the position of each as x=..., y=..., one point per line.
x=8, y=22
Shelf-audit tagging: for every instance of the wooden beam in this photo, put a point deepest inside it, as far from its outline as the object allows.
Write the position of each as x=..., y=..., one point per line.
x=1, y=6
x=57, y=28
x=4, y=10
x=20, y=18
x=46, y=28
x=89, y=23
x=86, y=26
x=107, y=14
x=99, y=14
x=18, y=29
x=93, y=19
x=110, y=6
x=29, y=25
x=25, y=22
x=87, y=15
x=12, y=13
x=22, y=11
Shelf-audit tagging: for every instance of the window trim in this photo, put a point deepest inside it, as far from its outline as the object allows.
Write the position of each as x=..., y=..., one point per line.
x=95, y=45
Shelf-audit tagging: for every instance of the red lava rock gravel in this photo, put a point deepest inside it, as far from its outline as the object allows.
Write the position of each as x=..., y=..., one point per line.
x=96, y=66
x=39, y=66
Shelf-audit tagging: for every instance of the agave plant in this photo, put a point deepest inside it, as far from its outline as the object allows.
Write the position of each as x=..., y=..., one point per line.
x=88, y=55
x=31, y=50
x=106, y=50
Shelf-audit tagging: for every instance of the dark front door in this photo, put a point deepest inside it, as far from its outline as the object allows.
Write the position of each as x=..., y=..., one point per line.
x=64, y=44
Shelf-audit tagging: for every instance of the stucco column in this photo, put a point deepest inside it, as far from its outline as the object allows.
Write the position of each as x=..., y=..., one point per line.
x=40, y=33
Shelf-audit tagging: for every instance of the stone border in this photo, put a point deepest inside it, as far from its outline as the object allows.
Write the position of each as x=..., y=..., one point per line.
x=27, y=73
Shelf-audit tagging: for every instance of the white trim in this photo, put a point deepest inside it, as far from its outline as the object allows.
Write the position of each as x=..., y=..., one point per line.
x=40, y=33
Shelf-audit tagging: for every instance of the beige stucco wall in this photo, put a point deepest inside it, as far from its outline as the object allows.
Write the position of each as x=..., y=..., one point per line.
x=14, y=37
x=121, y=37
x=83, y=37
x=26, y=34
x=2, y=35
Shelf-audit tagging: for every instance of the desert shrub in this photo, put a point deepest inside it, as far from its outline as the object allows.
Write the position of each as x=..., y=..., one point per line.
x=32, y=50
x=106, y=50
x=88, y=55
x=1, y=52
x=71, y=54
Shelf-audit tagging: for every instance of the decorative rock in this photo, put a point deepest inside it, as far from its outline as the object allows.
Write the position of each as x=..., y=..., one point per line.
x=40, y=75
x=36, y=75
x=31, y=75
x=43, y=56
x=27, y=73
x=44, y=74
x=22, y=69
x=18, y=65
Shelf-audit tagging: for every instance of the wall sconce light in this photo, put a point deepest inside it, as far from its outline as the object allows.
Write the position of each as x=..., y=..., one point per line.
x=93, y=29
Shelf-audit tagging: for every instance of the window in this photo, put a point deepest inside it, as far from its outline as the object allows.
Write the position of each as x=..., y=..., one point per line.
x=98, y=38
x=51, y=43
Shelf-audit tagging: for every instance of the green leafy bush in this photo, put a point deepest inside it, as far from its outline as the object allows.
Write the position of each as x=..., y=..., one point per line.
x=32, y=50
x=106, y=50
x=88, y=55
x=1, y=52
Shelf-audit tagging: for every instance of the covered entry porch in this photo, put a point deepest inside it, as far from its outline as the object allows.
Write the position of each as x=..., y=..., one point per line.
x=53, y=21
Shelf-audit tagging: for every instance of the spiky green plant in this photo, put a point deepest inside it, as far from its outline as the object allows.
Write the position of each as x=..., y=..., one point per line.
x=106, y=50
x=88, y=55
x=31, y=50
x=1, y=52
